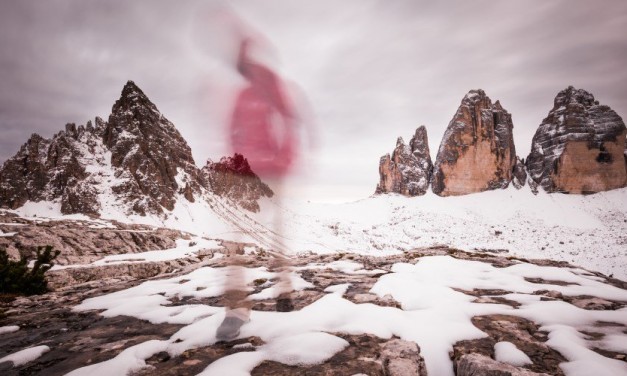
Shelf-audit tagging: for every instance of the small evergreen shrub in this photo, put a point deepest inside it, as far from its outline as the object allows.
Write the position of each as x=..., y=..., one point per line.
x=17, y=278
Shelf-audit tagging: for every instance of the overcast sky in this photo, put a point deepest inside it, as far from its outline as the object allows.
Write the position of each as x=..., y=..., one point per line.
x=371, y=70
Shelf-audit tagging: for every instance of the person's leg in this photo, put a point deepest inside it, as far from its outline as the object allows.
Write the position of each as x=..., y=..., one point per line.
x=235, y=303
x=237, y=308
x=281, y=262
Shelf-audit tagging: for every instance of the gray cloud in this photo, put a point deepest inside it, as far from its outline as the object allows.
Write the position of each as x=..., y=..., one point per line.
x=372, y=70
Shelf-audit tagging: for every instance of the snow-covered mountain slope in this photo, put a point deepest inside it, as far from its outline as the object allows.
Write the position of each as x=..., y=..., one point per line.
x=589, y=231
x=136, y=163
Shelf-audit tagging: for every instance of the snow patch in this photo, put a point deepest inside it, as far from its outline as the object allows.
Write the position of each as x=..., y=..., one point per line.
x=25, y=356
x=9, y=329
x=507, y=352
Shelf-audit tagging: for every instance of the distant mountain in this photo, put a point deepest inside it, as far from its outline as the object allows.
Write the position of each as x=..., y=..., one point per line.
x=137, y=162
x=408, y=170
x=580, y=147
x=477, y=151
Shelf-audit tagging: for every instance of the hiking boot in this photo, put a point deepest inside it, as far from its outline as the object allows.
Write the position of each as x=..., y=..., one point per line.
x=284, y=304
x=229, y=329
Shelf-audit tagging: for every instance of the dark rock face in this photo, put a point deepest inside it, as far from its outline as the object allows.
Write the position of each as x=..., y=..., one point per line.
x=579, y=147
x=23, y=177
x=137, y=161
x=408, y=171
x=148, y=151
x=477, y=151
x=49, y=170
x=519, y=174
x=233, y=178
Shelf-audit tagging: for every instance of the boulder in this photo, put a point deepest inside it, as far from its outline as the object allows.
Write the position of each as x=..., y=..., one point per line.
x=579, y=147
x=479, y=365
x=402, y=358
x=477, y=151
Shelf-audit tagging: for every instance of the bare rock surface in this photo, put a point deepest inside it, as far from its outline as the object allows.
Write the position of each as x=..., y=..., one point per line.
x=82, y=242
x=473, y=357
x=579, y=147
x=481, y=365
x=477, y=151
x=402, y=358
x=408, y=170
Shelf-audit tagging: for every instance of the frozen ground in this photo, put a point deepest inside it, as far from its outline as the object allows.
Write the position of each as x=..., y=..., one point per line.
x=433, y=313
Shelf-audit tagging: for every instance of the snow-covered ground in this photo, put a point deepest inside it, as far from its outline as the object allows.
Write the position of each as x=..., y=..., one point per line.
x=26, y=355
x=433, y=314
x=589, y=231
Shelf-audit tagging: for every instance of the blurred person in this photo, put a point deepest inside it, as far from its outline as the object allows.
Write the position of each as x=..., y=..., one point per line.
x=263, y=129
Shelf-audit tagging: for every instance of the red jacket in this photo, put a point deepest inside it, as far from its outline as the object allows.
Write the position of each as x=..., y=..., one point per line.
x=262, y=125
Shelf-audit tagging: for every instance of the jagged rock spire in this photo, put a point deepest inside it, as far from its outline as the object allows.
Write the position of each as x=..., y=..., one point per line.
x=408, y=170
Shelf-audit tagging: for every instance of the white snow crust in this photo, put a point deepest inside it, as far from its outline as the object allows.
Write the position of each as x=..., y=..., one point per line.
x=24, y=356
x=507, y=352
x=9, y=329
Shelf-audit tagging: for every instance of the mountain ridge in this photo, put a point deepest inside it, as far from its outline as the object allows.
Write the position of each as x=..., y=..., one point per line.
x=580, y=147
x=136, y=161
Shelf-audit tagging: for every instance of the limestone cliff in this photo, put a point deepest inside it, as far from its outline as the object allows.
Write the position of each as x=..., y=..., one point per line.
x=477, y=151
x=579, y=147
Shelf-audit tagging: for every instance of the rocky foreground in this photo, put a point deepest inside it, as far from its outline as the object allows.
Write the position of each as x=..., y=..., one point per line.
x=436, y=311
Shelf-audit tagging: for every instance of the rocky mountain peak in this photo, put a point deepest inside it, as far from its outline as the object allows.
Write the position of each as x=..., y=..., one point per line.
x=477, y=151
x=408, y=170
x=419, y=144
x=132, y=97
x=475, y=96
x=149, y=152
x=572, y=95
x=236, y=164
x=579, y=147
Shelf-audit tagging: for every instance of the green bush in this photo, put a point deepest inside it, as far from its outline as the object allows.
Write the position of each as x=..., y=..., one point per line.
x=17, y=278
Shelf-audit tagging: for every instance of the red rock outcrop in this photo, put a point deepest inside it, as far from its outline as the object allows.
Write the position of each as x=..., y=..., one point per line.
x=579, y=147
x=477, y=151
x=408, y=170
x=233, y=179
